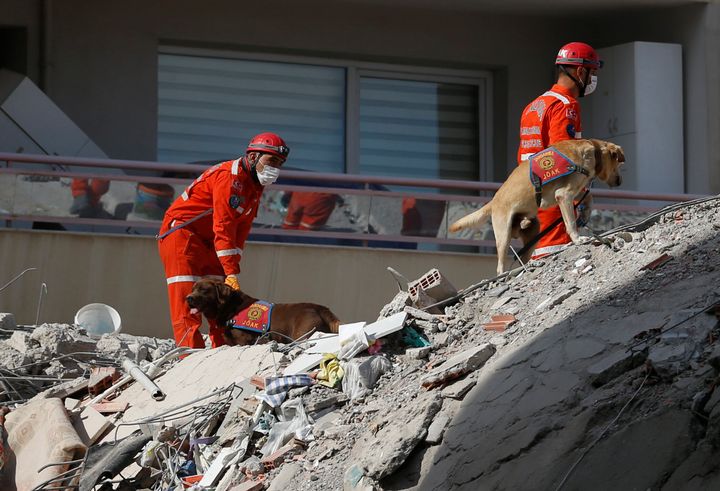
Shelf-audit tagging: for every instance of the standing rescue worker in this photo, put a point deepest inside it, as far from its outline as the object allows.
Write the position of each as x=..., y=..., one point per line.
x=205, y=229
x=554, y=117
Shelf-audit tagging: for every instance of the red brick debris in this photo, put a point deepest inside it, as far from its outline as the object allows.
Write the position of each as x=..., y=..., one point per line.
x=500, y=322
x=657, y=262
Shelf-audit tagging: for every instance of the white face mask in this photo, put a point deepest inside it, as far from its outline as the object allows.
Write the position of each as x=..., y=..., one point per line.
x=590, y=88
x=268, y=175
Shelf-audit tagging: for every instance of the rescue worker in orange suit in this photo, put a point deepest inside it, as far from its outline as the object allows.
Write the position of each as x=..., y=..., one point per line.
x=86, y=195
x=555, y=116
x=204, y=230
x=308, y=211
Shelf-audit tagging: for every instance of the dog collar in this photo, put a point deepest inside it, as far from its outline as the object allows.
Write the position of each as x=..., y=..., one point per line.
x=548, y=165
x=255, y=318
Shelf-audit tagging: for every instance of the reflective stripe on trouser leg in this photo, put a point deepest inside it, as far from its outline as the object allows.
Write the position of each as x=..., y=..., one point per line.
x=186, y=259
x=554, y=239
x=186, y=326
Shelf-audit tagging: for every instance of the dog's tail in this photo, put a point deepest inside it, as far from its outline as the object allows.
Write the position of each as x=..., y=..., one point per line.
x=330, y=319
x=473, y=220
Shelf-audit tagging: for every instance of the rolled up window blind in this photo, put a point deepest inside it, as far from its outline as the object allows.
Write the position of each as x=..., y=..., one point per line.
x=210, y=107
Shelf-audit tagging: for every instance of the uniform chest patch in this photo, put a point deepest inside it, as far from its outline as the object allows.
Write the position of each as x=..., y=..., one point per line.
x=236, y=200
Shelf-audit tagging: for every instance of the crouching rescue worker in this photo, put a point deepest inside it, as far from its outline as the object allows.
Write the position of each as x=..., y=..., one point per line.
x=204, y=230
x=554, y=117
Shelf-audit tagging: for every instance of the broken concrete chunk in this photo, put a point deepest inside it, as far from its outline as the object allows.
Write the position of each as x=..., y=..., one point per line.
x=396, y=305
x=557, y=299
x=441, y=340
x=318, y=404
x=22, y=342
x=384, y=452
x=436, y=429
x=62, y=339
x=615, y=365
x=284, y=479
x=458, y=389
x=7, y=321
x=498, y=290
x=418, y=353
x=421, y=314
x=714, y=358
x=458, y=365
x=336, y=431
x=91, y=425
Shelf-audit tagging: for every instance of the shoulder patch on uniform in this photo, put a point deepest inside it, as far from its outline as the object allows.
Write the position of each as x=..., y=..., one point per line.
x=570, y=113
x=236, y=200
x=571, y=130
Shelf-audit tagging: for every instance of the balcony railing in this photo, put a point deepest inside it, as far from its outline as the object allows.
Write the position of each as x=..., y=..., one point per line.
x=343, y=209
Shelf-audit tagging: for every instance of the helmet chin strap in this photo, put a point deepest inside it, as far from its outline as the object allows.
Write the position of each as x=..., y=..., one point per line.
x=253, y=168
x=580, y=85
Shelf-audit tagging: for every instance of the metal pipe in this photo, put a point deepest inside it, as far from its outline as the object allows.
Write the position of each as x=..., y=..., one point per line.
x=315, y=176
x=43, y=288
x=16, y=278
x=135, y=372
x=152, y=372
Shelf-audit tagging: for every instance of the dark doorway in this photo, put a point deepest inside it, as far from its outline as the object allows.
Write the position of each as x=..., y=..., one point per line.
x=13, y=49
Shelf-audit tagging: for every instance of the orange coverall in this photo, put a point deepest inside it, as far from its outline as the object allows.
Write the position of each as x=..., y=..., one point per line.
x=309, y=211
x=213, y=219
x=94, y=189
x=552, y=117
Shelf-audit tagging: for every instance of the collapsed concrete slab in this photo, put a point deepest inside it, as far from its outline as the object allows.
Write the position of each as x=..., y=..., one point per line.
x=458, y=365
x=380, y=454
x=195, y=377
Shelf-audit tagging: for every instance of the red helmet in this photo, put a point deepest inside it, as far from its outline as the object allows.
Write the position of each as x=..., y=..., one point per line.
x=578, y=54
x=268, y=143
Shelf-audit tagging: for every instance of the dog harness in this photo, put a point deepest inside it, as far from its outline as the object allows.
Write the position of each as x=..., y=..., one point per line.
x=548, y=165
x=255, y=318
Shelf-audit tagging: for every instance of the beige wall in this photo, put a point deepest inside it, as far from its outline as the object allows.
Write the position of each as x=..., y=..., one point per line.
x=125, y=272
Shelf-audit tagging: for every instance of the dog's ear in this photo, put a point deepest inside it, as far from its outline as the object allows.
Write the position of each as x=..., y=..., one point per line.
x=619, y=155
x=600, y=153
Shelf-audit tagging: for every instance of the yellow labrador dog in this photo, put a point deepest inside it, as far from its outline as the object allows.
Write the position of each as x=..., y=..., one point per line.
x=514, y=207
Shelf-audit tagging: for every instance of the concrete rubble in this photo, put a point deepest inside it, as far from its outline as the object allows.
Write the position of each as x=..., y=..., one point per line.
x=587, y=369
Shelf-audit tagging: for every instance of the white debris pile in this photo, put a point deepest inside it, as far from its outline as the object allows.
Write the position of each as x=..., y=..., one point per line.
x=592, y=368
x=35, y=358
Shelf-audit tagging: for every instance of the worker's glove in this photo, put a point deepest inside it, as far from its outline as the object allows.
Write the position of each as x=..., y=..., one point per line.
x=232, y=281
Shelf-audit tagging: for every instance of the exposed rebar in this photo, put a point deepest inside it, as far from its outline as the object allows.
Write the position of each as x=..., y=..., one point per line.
x=43, y=288
x=16, y=278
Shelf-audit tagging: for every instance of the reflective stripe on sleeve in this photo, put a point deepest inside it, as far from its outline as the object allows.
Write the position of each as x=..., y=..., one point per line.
x=191, y=278
x=557, y=96
x=525, y=156
x=182, y=278
x=235, y=165
x=229, y=252
x=185, y=195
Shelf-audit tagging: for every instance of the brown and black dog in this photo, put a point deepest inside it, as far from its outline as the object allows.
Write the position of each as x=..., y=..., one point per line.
x=513, y=209
x=220, y=303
